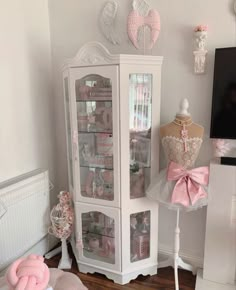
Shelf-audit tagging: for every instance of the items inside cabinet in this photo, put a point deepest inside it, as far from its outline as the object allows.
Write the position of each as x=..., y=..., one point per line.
x=140, y=110
x=94, y=116
x=93, y=87
x=139, y=236
x=98, y=237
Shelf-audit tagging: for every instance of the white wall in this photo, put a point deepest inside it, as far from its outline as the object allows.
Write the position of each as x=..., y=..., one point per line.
x=26, y=134
x=75, y=22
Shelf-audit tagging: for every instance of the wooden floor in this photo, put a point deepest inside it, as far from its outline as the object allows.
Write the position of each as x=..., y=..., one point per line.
x=163, y=281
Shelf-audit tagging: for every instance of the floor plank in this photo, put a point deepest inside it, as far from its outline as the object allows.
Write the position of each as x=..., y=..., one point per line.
x=163, y=281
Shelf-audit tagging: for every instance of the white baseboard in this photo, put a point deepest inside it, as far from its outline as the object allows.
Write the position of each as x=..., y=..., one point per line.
x=203, y=284
x=53, y=242
x=40, y=248
x=165, y=252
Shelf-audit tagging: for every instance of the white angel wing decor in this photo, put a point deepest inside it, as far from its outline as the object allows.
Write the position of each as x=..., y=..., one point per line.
x=107, y=21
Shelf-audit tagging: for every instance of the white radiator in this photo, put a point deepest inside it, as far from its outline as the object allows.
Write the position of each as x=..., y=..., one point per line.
x=24, y=214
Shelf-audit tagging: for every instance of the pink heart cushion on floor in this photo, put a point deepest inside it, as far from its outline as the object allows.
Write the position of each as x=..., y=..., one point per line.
x=31, y=273
x=60, y=280
x=28, y=273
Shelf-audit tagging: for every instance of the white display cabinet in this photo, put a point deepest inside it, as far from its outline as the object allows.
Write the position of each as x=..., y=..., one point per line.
x=112, y=105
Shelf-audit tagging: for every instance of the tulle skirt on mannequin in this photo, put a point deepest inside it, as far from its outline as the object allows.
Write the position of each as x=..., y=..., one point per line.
x=161, y=190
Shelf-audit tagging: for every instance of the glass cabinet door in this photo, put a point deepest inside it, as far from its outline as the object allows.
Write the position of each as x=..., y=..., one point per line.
x=95, y=135
x=139, y=236
x=98, y=235
x=140, y=122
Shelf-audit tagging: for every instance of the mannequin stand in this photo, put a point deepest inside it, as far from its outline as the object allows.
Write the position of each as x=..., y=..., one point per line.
x=53, y=253
x=65, y=261
x=175, y=261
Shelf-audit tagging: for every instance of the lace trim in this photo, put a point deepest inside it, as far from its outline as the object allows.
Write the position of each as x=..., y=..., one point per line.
x=174, y=150
x=181, y=140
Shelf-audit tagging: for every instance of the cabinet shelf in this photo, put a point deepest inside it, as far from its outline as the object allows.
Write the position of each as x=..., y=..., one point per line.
x=97, y=255
x=96, y=167
x=140, y=166
x=103, y=197
x=98, y=234
x=94, y=132
x=91, y=100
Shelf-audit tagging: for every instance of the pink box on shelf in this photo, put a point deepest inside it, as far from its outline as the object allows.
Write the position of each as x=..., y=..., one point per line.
x=95, y=93
x=101, y=161
x=104, y=144
x=137, y=182
x=82, y=121
x=141, y=246
x=108, y=246
x=101, y=93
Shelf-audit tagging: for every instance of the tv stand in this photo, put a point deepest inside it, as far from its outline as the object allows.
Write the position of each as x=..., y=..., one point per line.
x=228, y=161
x=220, y=242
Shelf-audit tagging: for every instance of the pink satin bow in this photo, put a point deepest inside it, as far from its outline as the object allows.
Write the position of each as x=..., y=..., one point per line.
x=188, y=186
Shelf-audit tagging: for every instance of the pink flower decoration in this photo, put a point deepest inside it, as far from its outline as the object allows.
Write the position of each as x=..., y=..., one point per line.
x=220, y=147
x=201, y=28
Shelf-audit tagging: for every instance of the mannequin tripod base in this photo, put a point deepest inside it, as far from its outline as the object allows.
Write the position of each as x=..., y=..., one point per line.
x=175, y=261
x=170, y=262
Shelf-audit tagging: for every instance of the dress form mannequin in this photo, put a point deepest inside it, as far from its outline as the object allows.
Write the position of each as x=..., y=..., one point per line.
x=181, y=140
x=172, y=129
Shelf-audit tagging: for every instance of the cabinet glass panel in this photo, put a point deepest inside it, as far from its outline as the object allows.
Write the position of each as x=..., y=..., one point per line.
x=140, y=122
x=94, y=117
x=139, y=236
x=68, y=124
x=98, y=234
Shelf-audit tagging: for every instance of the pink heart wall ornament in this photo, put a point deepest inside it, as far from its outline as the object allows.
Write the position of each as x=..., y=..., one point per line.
x=137, y=21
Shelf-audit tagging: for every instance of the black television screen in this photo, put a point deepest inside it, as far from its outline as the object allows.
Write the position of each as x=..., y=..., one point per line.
x=223, y=115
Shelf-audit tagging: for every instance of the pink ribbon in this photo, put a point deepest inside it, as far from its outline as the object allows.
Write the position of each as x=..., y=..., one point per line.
x=188, y=187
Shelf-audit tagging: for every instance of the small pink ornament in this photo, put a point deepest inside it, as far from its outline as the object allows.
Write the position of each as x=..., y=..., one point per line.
x=108, y=246
x=94, y=243
x=107, y=176
x=89, y=183
x=100, y=190
x=221, y=147
x=136, y=21
x=201, y=28
x=84, y=92
x=184, y=136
